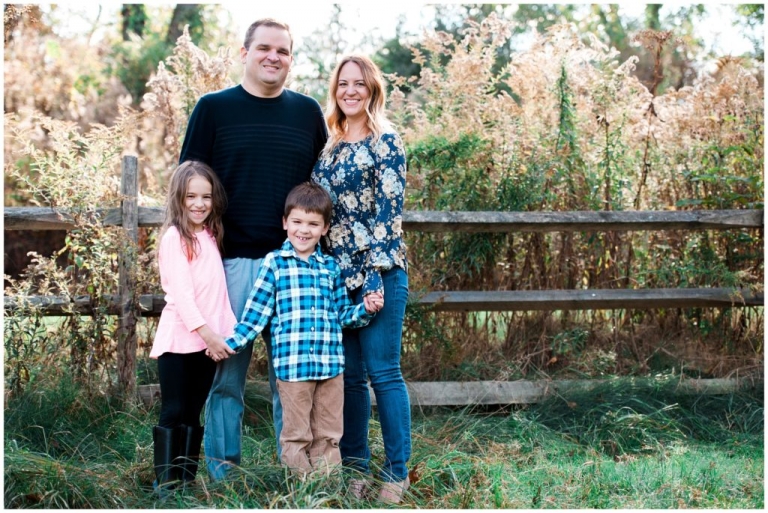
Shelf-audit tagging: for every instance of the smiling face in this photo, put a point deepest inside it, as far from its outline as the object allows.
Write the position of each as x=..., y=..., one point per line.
x=198, y=202
x=304, y=230
x=267, y=61
x=352, y=94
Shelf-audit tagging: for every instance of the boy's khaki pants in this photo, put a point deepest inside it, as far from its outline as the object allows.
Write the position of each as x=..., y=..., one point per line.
x=313, y=423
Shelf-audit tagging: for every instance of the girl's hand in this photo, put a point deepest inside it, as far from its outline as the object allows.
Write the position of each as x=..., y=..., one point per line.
x=217, y=349
x=373, y=302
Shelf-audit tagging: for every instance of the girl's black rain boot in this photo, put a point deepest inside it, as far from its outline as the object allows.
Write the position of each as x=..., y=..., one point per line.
x=190, y=451
x=166, y=450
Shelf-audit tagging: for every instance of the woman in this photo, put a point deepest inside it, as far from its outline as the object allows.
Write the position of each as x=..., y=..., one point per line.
x=363, y=168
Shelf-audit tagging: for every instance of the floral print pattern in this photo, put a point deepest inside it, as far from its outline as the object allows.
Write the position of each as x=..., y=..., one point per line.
x=366, y=181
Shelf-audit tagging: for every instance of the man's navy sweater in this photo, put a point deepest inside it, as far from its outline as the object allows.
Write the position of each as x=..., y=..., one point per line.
x=260, y=148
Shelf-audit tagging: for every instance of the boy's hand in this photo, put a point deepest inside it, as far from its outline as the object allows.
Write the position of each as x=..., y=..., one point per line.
x=373, y=302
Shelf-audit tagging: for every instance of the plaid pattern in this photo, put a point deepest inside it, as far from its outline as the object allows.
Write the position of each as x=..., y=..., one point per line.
x=308, y=305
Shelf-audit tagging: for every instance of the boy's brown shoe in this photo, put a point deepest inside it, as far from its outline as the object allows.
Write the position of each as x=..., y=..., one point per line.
x=358, y=488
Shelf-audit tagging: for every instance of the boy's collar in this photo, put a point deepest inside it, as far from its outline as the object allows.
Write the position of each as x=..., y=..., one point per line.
x=287, y=250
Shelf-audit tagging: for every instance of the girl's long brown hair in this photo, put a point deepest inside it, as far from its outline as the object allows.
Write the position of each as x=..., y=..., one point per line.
x=377, y=121
x=176, y=212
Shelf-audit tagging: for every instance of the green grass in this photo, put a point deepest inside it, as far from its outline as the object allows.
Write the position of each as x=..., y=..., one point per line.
x=620, y=446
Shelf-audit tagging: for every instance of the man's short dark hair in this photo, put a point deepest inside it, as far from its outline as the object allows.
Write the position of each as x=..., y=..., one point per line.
x=310, y=197
x=267, y=22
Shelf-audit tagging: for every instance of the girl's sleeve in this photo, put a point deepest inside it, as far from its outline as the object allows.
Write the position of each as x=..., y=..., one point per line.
x=350, y=315
x=389, y=195
x=259, y=307
x=177, y=273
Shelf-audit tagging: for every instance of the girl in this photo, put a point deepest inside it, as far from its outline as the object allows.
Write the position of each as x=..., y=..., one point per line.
x=196, y=315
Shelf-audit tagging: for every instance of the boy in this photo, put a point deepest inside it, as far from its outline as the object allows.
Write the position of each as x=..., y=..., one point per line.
x=304, y=291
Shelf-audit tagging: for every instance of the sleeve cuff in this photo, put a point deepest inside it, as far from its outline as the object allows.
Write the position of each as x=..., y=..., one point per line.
x=233, y=344
x=195, y=323
x=372, y=283
x=363, y=317
x=238, y=340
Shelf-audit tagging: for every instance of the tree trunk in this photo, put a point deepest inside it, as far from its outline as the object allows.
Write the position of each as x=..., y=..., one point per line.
x=652, y=20
x=134, y=18
x=183, y=14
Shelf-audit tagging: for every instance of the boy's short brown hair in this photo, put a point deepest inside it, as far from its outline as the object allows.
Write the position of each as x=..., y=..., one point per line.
x=310, y=197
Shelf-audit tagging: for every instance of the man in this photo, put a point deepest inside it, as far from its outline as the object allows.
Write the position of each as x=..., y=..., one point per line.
x=261, y=139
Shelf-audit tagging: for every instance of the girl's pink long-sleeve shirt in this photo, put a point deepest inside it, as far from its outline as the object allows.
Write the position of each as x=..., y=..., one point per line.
x=195, y=294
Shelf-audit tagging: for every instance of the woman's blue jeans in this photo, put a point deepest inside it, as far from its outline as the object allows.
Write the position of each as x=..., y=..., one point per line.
x=373, y=352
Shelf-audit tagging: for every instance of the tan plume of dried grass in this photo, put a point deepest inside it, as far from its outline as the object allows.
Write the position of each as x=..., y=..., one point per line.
x=173, y=91
x=461, y=97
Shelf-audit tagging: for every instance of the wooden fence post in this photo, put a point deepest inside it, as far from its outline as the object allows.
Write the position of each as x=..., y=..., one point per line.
x=126, y=335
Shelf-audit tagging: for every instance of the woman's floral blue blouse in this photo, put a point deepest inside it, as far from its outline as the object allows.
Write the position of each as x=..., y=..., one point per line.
x=366, y=181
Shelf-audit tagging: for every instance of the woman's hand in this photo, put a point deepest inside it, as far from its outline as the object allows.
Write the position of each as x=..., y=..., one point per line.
x=373, y=302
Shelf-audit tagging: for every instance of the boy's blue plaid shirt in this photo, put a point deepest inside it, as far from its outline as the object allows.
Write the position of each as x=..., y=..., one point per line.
x=308, y=305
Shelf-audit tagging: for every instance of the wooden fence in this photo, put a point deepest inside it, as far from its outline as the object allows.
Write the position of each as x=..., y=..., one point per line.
x=131, y=217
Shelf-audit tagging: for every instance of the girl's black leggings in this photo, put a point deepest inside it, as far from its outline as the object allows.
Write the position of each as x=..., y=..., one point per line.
x=185, y=380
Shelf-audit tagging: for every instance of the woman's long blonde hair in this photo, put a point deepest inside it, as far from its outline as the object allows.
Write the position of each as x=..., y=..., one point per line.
x=176, y=212
x=377, y=121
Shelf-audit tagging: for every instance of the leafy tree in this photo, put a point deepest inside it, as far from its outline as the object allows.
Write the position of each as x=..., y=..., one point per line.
x=319, y=53
x=183, y=15
x=134, y=18
x=143, y=46
x=752, y=15
x=394, y=57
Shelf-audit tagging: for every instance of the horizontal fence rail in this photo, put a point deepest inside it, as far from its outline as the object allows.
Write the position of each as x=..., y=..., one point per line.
x=151, y=305
x=481, y=222
x=589, y=299
x=460, y=393
x=41, y=218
